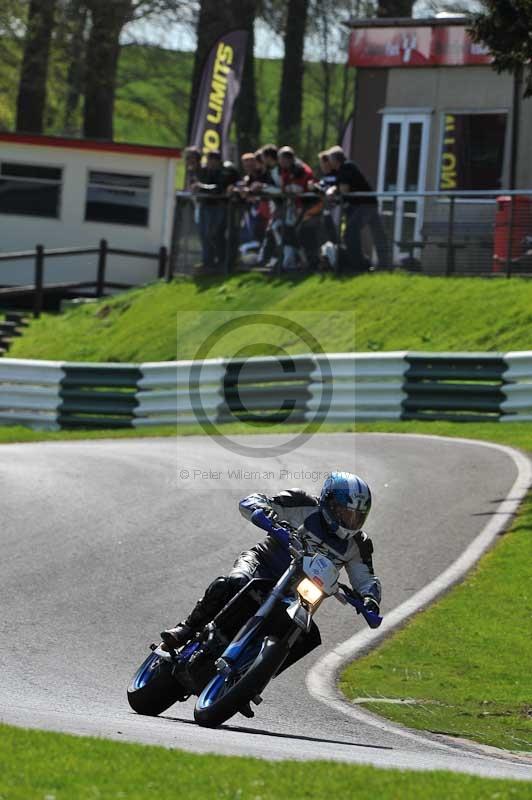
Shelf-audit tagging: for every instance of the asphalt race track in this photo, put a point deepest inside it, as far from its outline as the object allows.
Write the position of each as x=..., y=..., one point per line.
x=106, y=542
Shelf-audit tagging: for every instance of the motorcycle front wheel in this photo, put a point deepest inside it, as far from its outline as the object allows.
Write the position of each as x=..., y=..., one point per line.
x=225, y=694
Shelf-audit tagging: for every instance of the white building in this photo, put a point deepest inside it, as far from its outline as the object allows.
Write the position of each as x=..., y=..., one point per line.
x=61, y=192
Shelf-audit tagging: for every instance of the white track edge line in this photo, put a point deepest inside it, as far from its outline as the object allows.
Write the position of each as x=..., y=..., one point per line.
x=321, y=679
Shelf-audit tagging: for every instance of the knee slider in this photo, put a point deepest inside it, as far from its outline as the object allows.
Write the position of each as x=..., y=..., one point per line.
x=218, y=591
x=236, y=582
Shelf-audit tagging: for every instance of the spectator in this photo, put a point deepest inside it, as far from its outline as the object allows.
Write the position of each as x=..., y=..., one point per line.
x=271, y=210
x=330, y=221
x=269, y=156
x=192, y=166
x=250, y=168
x=213, y=181
x=359, y=211
x=301, y=218
x=254, y=219
x=328, y=175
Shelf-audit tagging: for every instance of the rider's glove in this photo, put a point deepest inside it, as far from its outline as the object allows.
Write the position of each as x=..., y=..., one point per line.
x=370, y=604
x=282, y=535
x=262, y=520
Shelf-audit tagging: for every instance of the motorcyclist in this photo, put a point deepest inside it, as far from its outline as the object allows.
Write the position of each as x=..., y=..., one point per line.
x=332, y=522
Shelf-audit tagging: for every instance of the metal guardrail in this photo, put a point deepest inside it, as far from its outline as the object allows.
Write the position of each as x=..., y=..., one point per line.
x=302, y=388
x=486, y=233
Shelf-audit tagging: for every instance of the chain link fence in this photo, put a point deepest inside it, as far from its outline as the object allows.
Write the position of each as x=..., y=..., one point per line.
x=432, y=233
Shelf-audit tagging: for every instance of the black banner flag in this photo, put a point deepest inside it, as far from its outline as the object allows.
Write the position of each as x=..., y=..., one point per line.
x=219, y=88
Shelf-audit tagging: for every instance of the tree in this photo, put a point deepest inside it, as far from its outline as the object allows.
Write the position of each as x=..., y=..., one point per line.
x=291, y=94
x=246, y=112
x=108, y=19
x=77, y=18
x=103, y=48
x=395, y=8
x=31, y=99
x=216, y=18
x=505, y=28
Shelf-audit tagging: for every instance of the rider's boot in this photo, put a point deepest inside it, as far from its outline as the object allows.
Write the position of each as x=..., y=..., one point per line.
x=176, y=637
x=214, y=599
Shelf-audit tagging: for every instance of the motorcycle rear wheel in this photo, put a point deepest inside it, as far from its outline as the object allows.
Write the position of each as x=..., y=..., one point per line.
x=154, y=688
x=225, y=695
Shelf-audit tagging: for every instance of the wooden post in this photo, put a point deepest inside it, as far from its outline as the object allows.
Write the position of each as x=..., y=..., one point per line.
x=163, y=258
x=169, y=271
x=38, y=281
x=102, y=263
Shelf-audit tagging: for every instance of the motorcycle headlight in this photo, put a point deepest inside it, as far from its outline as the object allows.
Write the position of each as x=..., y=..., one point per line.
x=309, y=591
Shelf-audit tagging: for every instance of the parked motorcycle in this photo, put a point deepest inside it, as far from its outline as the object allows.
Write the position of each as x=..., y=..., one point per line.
x=230, y=662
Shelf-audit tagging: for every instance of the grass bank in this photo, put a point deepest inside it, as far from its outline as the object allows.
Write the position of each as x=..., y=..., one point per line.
x=370, y=312
x=36, y=766
x=463, y=666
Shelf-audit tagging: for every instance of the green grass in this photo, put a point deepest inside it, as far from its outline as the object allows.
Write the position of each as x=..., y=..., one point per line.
x=466, y=661
x=372, y=312
x=47, y=766
x=518, y=434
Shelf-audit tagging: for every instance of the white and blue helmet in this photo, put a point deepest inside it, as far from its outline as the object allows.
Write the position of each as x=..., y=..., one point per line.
x=345, y=503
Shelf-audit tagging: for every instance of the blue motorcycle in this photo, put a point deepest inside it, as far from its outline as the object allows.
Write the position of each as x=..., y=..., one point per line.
x=264, y=629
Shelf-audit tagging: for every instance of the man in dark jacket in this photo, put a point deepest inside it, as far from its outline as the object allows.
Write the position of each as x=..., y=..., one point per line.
x=360, y=211
x=302, y=214
x=211, y=188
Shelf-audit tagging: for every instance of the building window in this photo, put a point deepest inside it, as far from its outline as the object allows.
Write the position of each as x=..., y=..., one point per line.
x=472, y=151
x=118, y=198
x=30, y=190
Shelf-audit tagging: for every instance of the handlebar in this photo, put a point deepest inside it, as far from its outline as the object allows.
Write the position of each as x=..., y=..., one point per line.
x=355, y=599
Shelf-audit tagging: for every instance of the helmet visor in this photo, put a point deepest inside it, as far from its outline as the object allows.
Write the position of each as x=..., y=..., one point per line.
x=348, y=518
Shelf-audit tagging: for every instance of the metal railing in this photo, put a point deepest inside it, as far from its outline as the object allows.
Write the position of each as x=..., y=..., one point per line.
x=301, y=388
x=486, y=233
x=38, y=287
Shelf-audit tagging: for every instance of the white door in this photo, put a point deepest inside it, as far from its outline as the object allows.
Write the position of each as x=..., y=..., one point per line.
x=403, y=168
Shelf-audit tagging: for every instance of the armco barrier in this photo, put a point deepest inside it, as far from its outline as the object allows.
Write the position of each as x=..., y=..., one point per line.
x=517, y=389
x=337, y=387
x=29, y=392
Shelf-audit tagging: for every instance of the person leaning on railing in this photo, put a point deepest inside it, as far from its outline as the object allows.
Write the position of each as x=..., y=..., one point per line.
x=254, y=212
x=213, y=182
x=301, y=221
x=360, y=211
x=330, y=218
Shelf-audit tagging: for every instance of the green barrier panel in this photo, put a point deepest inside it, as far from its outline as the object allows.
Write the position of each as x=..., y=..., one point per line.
x=274, y=391
x=99, y=407
x=446, y=366
x=447, y=386
x=116, y=377
x=271, y=371
x=449, y=416
x=452, y=396
x=87, y=399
